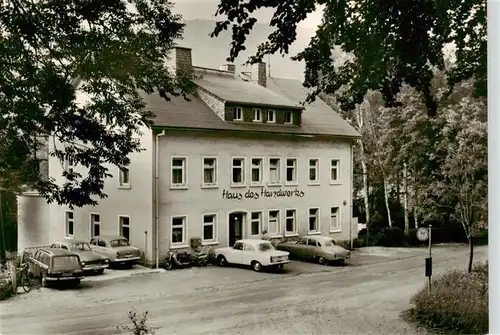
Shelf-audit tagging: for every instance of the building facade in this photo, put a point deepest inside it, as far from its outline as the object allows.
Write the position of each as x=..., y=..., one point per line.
x=243, y=159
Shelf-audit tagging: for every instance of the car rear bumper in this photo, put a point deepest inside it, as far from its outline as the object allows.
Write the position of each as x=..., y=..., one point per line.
x=69, y=278
x=279, y=263
x=125, y=260
x=90, y=268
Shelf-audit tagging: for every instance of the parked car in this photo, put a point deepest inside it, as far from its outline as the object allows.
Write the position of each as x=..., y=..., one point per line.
x=55, y=265
x=321, y=249
x=254, y=252
x=90, y=260
x=115, y=248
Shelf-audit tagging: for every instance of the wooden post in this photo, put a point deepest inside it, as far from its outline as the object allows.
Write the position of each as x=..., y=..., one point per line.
x=430, y=258
x=13, y=277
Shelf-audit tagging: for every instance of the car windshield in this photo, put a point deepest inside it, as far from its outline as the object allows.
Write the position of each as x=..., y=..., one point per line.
x=65, y=263
x=266, y=246
x=119, y=243
x=81, y=246
x=328, y=243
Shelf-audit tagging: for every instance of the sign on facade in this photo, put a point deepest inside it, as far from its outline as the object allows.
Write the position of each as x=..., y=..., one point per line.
x=263, y=193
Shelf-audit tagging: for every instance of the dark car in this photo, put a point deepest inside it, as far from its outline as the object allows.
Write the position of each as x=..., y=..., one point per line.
x=91, y=261
x=115, y=248
x=321, y=249
x=55, y=266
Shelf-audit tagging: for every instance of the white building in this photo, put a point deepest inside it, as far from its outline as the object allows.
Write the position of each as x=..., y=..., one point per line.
x=241, y=159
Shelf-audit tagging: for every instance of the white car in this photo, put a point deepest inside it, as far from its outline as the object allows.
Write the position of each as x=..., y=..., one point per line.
x=254, y=252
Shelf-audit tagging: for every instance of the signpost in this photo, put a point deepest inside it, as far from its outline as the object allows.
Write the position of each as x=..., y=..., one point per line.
x=424, y=234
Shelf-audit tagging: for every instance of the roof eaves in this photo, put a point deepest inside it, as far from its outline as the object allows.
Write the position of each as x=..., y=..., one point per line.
x=266, y=105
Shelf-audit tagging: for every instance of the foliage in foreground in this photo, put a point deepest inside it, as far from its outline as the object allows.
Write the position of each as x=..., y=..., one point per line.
x=139, y=326
x=6, y=289
x=458, y=302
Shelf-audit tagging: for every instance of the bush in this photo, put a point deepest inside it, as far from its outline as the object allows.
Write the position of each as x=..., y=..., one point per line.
x=6, y=289
x=458, y=302
x=139, y=324
x=392, y=237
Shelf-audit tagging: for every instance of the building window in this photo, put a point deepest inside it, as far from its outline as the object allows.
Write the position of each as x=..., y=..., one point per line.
x=291, y=170
x=178, y=172
x=274, y=170
x=209, y=171
x=274, y=222
x=124, y=226
x=334, y=168
x=257, y=115
x=178, y=230
x=255, y=223
x=313, y=220
x=209, y=223
x=288, y=117
x=238, y=171
x=124, y=176
x=334, y=219
x=271, y=116
x=238, y=114
x=95, y=225
x=70, y=223
x=291, y=221
x=70, y=165
x=256, y=170
x=313, y=171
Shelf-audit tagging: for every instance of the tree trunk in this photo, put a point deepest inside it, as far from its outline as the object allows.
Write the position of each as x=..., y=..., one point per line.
x=386, y=197
x=471, y=253
x=3, y=259
x=365, y=184
x=405, y=198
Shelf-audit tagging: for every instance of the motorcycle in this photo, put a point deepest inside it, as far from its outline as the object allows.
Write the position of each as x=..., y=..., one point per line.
x=185, y=259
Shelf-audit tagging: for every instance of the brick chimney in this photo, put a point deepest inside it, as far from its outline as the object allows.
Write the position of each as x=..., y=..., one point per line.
x=180, y=59
x=229, y=67
x=259, y=73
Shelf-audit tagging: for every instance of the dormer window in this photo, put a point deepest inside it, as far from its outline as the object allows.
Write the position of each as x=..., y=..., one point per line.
x=257, y=115
x=288, y=117
x=238, y=114
x=271, y=116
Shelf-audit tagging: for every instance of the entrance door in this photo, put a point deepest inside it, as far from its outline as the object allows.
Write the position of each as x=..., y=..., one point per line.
x=235, y=227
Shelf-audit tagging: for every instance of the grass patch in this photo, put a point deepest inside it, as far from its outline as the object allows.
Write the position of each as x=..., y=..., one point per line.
x=458, y=303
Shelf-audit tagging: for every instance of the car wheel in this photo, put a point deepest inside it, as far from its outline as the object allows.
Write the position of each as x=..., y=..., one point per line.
x=222, y=260
x=77, y=282
x=321, y=260
x=256, y=266
x=100, y=271
x=44, y=280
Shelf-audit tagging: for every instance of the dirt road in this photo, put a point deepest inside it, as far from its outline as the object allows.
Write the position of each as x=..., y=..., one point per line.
x=364, y=299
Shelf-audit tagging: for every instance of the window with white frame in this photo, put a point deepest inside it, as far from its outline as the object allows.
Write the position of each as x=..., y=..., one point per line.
x=238, y=171
x=124, y=226
x=70, y=165
x=178, y=171
x=288, y=117
x=69, y=223
x=95, y=224
x=274, y=170
x=257, y=115
x=291, y=170
x=313, y=170
x=274, y=222
x=178, y=230
x=255, y=223
x=313, y=220
x=209, y=224
x=209, y=171
x=271, y=116
x=256, y=170
x=238, y=114
x=124, y=176
x=335, y=170
x=291, y=221
x=334, y=218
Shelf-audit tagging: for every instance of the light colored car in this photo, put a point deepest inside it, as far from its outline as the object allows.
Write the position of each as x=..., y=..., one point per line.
x=254, y=252
x=321, y=249
x=55, y=266
x=115, y=248
x=90, y=260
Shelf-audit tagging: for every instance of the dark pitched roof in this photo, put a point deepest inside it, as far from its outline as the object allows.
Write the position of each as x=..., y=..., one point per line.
x=317, y=118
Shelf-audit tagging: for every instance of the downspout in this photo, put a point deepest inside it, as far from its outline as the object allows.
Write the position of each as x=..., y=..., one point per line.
x=157, y=195
x=351, y=204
